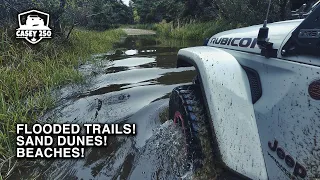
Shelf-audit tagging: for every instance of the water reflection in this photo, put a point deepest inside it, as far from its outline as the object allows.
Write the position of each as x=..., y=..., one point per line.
x=130, y=84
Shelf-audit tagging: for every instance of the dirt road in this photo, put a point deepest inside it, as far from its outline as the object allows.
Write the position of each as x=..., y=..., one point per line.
x=135, y=32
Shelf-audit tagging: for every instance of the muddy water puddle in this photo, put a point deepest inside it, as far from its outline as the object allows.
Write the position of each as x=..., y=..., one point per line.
x=130, y=84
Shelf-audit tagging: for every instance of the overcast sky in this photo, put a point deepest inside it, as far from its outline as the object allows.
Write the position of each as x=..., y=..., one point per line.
x=126, y=2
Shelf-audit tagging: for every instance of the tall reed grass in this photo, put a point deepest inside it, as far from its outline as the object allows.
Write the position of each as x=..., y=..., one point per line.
x=28, y=73
x=191, y=31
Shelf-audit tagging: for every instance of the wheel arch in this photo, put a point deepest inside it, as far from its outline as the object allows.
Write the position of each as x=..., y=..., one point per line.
x=184, y=61
x=205, y=60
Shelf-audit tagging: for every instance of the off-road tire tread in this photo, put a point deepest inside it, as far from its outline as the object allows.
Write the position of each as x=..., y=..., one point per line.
x=201, y=148
x=201, y=144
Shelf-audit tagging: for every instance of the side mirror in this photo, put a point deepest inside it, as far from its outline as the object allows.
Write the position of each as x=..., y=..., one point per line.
x=304, y=10
x=299, y=13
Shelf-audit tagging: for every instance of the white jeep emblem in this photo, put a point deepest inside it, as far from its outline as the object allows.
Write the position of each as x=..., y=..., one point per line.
x=33, y=26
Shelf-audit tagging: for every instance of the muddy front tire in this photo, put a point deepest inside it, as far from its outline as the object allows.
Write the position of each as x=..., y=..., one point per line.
x=186, y=110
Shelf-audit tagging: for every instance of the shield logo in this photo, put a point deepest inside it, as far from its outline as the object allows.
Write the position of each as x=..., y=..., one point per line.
x=33, y=26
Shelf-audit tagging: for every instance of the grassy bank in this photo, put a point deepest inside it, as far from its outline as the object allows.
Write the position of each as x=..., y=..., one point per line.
x=193, y=31
x=28, y=73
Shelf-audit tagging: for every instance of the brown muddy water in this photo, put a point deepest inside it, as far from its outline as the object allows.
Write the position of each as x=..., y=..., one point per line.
x=128, y=85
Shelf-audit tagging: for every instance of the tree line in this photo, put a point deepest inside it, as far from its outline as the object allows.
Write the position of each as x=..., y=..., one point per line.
x=104, y=14
x=240, y=11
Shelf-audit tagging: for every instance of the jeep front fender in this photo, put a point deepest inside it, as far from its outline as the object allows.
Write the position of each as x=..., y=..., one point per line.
x=226, y=90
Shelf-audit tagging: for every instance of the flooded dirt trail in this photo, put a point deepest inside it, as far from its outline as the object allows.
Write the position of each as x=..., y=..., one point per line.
x=134, y=32
x=131, y=84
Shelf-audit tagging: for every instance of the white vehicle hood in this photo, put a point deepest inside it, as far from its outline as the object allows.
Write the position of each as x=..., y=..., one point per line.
x=238, y=39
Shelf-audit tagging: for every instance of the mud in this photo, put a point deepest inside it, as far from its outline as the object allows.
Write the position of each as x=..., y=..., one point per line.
x=131, y=84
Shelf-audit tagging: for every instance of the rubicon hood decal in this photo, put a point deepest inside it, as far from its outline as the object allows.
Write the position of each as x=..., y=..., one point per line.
x=236, y=42
x=245, y=39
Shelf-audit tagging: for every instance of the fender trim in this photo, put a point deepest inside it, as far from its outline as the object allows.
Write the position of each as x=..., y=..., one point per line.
x=253, y=76
x=184, y=61
x=200, y=57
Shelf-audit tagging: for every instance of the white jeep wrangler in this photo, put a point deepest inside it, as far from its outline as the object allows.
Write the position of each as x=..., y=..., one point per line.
x=258, y=91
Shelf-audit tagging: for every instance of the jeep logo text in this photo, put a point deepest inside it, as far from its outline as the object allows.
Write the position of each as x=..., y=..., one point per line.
x=299, y=170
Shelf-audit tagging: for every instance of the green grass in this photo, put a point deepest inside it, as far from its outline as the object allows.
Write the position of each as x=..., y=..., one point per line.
x=193, y=31
x=28, y=73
